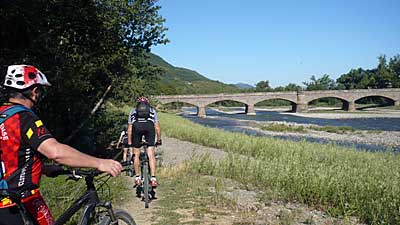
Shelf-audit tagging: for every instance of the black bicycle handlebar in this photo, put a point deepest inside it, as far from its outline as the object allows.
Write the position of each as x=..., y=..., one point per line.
x=56, y=170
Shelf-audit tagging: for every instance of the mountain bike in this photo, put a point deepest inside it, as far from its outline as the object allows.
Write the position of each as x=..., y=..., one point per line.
x=94, y=211
x=145, y=188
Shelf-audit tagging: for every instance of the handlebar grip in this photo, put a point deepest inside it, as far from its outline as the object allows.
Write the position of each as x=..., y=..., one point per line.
x=54, y=170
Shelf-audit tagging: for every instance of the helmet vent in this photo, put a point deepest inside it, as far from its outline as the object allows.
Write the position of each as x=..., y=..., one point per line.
x=13, y=71
x=9, y=82
x=18, y=75
x=31, y=75
x=20, y=82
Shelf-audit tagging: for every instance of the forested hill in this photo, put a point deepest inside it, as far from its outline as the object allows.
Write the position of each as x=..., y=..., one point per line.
x=176, y=80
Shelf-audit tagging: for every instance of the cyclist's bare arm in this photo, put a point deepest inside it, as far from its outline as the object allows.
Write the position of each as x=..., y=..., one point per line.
x=158, y=130
x=69, y=156
x=129, y=134
x=119, y=140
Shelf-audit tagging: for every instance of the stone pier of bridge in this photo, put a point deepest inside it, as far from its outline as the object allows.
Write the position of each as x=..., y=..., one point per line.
x=201, y=111
x=249, y=110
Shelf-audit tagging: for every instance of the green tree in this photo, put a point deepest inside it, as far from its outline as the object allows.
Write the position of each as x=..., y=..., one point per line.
x=263, y=86
x=293, y=87
x=323, y=83
x=394, y=65
x=384, y=76
x=83, y=47
x=357, y=79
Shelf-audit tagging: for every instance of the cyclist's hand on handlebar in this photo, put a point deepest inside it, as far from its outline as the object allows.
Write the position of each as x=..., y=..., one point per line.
x=159, y=142
x=110, y=166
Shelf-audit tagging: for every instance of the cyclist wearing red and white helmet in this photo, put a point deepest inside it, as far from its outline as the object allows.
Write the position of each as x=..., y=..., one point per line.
x=143, y=122
x=24, y=140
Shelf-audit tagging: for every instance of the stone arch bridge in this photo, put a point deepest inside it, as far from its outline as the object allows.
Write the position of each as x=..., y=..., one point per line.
x=299, y=100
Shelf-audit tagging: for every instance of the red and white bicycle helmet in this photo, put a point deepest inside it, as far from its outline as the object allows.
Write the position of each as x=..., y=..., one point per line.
x=24, y=76
x=142, y=99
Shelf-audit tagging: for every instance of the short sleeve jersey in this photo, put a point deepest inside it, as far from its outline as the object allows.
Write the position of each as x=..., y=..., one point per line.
x=20, y=137
x=124, y=136
x=132, y=116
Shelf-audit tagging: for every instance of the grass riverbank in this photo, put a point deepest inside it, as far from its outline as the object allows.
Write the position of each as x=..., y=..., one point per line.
x=282, y=127
x=338, y=180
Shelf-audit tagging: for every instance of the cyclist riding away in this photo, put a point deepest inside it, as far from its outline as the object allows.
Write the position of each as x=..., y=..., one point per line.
x=123, y=140
x=143, y=121
x=25, y=141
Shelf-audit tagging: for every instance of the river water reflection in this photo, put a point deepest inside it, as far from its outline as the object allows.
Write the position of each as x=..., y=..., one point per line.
x=238, y=122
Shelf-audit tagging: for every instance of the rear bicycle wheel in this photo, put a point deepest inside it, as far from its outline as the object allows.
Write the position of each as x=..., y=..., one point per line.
x=122, y=218
x=146, y=185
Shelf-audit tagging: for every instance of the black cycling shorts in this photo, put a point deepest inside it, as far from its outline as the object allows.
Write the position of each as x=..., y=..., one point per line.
x=124, y=144
x=10, y=216
x=140, y=129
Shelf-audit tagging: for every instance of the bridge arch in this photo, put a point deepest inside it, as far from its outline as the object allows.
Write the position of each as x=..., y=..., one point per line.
x=278, y=99
x=248, y=108
x=376, y=95
x=384, y=100
x=331, y=101
x=348, y=103
x=177, y=106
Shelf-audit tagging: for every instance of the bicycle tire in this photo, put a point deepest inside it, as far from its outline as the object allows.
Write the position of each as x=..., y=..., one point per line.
x=146, y=185
x=130, y=171
x=121, y=215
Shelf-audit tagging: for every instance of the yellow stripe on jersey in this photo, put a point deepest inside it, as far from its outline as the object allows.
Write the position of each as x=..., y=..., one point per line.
x=39, y=123
x=6, y=201
x=29, y=133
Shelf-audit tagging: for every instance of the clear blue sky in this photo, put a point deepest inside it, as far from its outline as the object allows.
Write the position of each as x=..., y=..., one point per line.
x=281, y=41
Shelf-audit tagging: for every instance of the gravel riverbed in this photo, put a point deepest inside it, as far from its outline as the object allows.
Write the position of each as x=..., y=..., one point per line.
x=386, y=139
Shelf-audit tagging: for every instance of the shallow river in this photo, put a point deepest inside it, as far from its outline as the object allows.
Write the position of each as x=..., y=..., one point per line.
x=231, y=122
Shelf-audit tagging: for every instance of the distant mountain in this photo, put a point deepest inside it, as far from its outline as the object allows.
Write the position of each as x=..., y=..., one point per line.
x=243, y=86
x=177, y=80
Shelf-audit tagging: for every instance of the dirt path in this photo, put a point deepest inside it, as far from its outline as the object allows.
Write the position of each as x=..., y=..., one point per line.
x=175, y=152
x=135, y=207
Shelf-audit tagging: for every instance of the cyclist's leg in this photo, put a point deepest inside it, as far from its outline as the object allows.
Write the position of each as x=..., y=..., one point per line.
x=124, y=154
x=137, y=133
x=152, y=161
x=150, y=137
x=136, y=162
x=130, y=153
x=37, y=207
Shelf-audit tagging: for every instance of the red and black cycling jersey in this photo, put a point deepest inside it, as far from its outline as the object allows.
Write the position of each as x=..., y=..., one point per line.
x=20, y=137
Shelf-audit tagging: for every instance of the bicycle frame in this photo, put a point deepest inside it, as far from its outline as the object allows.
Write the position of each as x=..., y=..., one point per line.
x=89, y=198
x=89, y=201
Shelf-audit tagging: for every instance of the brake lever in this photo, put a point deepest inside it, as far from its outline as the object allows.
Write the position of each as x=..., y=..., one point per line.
x=74, y=176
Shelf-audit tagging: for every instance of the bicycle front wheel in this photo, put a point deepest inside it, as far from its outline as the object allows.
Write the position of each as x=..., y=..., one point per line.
x=122, y=218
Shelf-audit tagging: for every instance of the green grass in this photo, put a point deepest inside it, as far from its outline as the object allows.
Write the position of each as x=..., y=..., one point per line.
x=278, y=127
x=339, y=180
x=189, y=198
x=334, y=129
